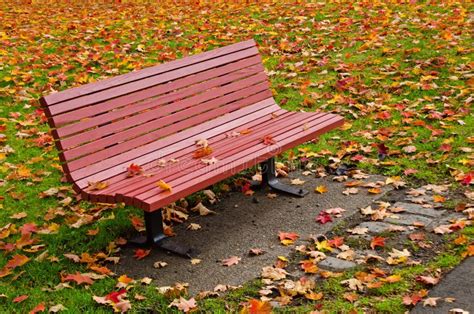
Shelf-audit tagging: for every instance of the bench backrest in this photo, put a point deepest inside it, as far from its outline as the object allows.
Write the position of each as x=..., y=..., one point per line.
x=113, y=116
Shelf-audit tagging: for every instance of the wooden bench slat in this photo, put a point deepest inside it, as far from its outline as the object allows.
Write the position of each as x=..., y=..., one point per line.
x=253, y=140
x=148, y=152
x=238, y=162
x=192, y=105
x=144, y=73
x=131, y=87
x=219, y=143
x=155, y=92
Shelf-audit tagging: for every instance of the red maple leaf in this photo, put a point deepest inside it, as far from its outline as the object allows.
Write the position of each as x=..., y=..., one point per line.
x=445, y=148
x=115, y=295
x=412, y=299
x=134, y=169
x=467, y=178
x=141, y=253
x=323, y=217
x=28, y=228
x=382, y=149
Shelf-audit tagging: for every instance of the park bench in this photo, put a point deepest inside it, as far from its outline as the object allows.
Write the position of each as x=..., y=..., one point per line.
x=155, y=117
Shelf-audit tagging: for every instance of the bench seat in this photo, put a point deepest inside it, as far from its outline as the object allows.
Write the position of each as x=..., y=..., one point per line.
x=187, y=175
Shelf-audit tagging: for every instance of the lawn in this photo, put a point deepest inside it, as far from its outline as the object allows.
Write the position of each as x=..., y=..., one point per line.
x=400, y=73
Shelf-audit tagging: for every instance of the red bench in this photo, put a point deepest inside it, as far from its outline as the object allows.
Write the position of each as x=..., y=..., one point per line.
x=154, y=117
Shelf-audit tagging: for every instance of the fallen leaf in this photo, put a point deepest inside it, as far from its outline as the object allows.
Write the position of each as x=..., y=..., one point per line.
x=134, y=169
x=297, y=181
x=429, y=280
x=203, y=210
x=321, y=189
x=233, y=260
x=210, y=161
x=350, y=191
x=431, y=302
x=358, y=230
x=17, y=261
x=95, y=186
x=78, y=278
x=323, y=217
x=287, y=238
x=57, y=308
x=257, y=307
x=141, y=253
x=442, y=229
x=353, y=284
x=193, y=226
x=377, y=242
x=73, y=257
x=255, y=252
x=273, y=273
x=20, y=298
x=202, y=152
x=164, y=186
x=39, y=308
x=160, y=264
x=184, y=305
x=202, y=143
x=268, y=140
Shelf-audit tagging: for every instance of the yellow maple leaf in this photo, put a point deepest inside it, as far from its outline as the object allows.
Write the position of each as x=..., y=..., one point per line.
x=323, y=246
x=321, y=189
x=163, y=185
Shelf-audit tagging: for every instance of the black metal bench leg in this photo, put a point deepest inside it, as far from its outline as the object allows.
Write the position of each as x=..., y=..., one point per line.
x=156, y=237
x=269, y=179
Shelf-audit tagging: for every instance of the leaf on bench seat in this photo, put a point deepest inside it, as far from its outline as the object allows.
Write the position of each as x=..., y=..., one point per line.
x=202, y=143
x=268, y=140
x=98, y=185
x=201, y=152
x=210, y=161
x=163, y=185
x=133, y=170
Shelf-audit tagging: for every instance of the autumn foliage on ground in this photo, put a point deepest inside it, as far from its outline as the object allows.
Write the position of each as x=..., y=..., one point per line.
x=400, y=73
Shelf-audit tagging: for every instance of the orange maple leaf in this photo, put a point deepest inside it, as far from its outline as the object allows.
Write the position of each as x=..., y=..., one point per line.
x=17, y=261
x=20, y=298
x=268, y=140
x=39, y=308
x=377, y=241
x=201, y=152
x=288, y=236
x=309, y=267
x=258, y=307
x=78, y=278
